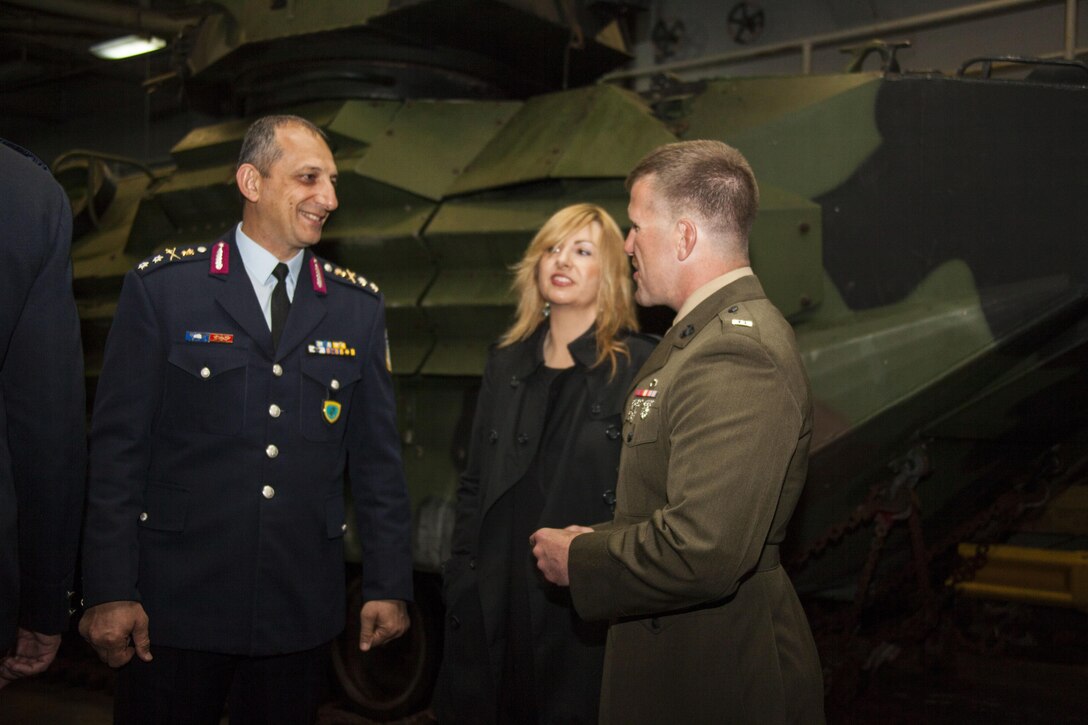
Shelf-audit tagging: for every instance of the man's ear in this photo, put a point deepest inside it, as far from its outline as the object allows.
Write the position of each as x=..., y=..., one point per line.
x=248, y=179
x=687, y=234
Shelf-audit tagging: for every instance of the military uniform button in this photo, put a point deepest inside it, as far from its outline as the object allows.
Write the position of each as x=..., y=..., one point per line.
x=595, y=409
x=274, y=410
x=343, y=527
x=143, y=516
x=629, y=437
x=205, y=373
x=277, y=370
x=268, y=492
x=612, y=432
x=523, y=438
x=514, y=382
x=335, y=384
x=493, y=436
x=472, y=562
x=271, y=451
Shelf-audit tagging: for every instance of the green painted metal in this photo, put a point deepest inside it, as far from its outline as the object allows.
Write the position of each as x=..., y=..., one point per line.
x=863, y=363
x=242, y=22
x=808, y=147
x=428, y=144
x=786, y=249
x=593, y=132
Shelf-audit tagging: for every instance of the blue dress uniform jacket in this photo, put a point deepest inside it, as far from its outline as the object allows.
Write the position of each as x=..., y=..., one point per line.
x=43, y=439
x=218, y=466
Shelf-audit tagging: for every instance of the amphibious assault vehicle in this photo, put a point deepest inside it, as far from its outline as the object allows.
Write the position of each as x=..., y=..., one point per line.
x=923, y=232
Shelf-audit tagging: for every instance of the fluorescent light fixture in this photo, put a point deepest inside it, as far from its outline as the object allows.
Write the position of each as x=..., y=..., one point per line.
x=127, y=47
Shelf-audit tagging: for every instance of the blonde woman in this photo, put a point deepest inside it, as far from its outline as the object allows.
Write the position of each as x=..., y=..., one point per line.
x=544, y=450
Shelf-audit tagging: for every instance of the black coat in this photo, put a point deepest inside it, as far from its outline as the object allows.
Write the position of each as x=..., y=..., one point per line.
x=217, y=483
x=506, y=431
x=43, y=443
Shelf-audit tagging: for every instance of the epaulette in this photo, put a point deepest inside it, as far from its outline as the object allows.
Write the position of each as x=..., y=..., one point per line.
x=740, y=321
x=172, y=254
x=346, y=276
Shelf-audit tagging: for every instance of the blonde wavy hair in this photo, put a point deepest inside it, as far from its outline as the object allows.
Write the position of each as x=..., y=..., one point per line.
x=615, y=299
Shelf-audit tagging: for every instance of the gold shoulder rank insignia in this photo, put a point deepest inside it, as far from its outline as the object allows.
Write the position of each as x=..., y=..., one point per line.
x=170, y=254
x=349, y=277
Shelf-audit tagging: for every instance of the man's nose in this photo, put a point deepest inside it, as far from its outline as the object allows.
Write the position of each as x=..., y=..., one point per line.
x=327, y=196
x=629, y=243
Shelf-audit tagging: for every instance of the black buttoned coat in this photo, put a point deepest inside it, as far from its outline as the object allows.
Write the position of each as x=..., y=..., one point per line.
x=43, y=440
x=217, y=484
x=506, y=431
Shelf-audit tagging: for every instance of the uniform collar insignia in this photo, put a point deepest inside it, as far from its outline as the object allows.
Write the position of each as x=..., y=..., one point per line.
x=220, y=258
x=317, y=277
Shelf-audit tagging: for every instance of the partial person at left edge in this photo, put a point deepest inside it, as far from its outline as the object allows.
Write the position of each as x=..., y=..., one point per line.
x=245, y=382
x=43, y=439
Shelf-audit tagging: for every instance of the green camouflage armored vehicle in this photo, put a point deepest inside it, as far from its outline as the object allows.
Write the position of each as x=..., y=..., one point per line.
x=924, y=233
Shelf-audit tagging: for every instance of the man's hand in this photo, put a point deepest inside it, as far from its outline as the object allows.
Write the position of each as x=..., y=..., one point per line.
x=551, y=547
x=31, y=654
x=117, y=630
x=381, y=621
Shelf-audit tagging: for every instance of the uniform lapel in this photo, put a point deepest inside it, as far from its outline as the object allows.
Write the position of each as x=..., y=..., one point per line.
x=307, y=310
x=237, y=298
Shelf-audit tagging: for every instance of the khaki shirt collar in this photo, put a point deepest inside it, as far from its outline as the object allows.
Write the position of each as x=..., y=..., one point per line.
x=710, y=288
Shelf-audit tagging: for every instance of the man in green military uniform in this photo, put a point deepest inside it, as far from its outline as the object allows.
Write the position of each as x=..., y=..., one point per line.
x=706, y=625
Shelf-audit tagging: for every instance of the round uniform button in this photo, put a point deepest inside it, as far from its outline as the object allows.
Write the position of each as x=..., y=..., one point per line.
x=274, y=410
x=335, y=384
x=143, y=516
x=268, y=492
x=343, y=527
x=523, y=438
x=271, y=451
x=277, y=370
x=205, y=373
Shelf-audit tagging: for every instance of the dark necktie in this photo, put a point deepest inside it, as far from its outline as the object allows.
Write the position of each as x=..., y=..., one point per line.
x=280, y=303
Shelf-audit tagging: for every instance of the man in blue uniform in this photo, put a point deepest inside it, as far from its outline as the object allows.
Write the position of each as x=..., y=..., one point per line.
x=244, y=381
x=43, y=441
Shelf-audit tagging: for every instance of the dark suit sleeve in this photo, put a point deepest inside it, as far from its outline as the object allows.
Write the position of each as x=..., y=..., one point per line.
x=382, y=508
x=43, y=394
x=126, y=403
x=732, y=426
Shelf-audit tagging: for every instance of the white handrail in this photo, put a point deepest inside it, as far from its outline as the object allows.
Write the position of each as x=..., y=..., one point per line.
x=806, y=45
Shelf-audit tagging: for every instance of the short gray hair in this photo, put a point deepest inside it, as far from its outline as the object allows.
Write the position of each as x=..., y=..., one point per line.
x=259, y=146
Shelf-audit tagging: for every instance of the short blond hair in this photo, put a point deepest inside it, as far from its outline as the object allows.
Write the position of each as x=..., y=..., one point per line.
x=615, y=298
x=708, y=178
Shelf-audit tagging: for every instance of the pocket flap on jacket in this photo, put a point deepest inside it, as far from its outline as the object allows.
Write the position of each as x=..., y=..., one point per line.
x=164, y=507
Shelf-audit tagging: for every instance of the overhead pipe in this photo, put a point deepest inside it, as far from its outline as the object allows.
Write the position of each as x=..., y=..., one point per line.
x=123, y=16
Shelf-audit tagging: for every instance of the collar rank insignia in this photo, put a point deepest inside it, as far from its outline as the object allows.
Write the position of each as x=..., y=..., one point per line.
x=317, y=277
x=223, y=337
x=330, y=347
x=331, y=410
x=220, y=258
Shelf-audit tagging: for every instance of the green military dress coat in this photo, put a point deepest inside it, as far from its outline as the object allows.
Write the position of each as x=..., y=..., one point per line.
x=706, y=626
